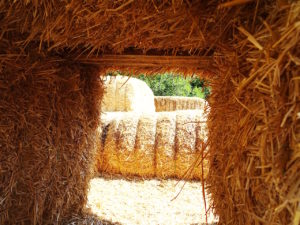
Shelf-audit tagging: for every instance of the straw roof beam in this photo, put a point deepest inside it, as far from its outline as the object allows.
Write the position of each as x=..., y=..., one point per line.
x=196, y=63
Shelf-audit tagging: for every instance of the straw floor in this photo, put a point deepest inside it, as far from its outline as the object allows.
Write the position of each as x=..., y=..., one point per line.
x=148, y=201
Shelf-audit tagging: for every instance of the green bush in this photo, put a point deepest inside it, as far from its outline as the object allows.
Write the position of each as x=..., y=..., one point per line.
x=175, y=85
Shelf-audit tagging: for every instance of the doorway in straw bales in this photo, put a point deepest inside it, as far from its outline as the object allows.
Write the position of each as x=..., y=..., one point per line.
x=50, y=56
x=150, y=159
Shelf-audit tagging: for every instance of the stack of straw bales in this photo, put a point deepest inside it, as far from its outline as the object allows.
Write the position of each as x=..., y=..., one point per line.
x=254, y=150
x=163, y=144
x=172, y=103
x=127, y=94
x=47, y=142
x=49, y=101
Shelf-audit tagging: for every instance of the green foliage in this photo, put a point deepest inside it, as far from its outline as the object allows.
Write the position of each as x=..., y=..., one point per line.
x=174, y=85
x=197, y=91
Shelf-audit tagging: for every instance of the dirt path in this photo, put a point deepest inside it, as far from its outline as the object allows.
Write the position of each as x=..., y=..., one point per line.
x=147, y=201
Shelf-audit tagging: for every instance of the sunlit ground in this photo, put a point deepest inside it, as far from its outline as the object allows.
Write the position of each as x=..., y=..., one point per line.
x=148, y=201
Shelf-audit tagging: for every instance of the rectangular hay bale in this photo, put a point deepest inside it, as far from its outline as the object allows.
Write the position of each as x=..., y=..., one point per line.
x=185, y=142
x=173, y=103
x=145, y=145
x=201, y=163
x=120, y=97
x=108, y=102
x=127, y=130
x=49, y=116
x=111, y=162
x=165, y=144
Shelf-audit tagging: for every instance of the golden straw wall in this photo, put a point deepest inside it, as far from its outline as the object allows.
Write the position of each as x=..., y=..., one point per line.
x=254, y=150
x=49, y=111
x=253, y=124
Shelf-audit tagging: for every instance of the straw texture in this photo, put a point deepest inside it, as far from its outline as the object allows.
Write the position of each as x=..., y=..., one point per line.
x=172, y=103
x=126, y=142
x=165, y=144
x=136, y=143
x=105, y=122
x=145, y=145
x=157, y=144
x=110, y=151
x=200, y=170
x=109, y=100
x=47, y=143
x=185, y=143
x=254, y=122
x=127, y=94
x=48, y=111
x=105, y=26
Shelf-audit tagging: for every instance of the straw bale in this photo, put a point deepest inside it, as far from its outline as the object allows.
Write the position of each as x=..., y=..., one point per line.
x=173, y=103
x=102, y=131
x=188, y=133
x=200, y=168
x=253, y=125
x=127, y=94
x=109, y=98
x=185, y=140
x=107, y=26
x=145, y=145
x=49, y=115
x=110, y=153
x=165, y=144
x=126, y=143
x=120, y=99
x=107, y=117
x=119, y=142
x=129, y=145
x=154, y=144
x=103, y=128
x=47, y=105
x=139, y=96
x=137, y=63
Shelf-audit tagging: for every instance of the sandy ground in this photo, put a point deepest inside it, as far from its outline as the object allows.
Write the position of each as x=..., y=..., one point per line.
x=148, y=201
